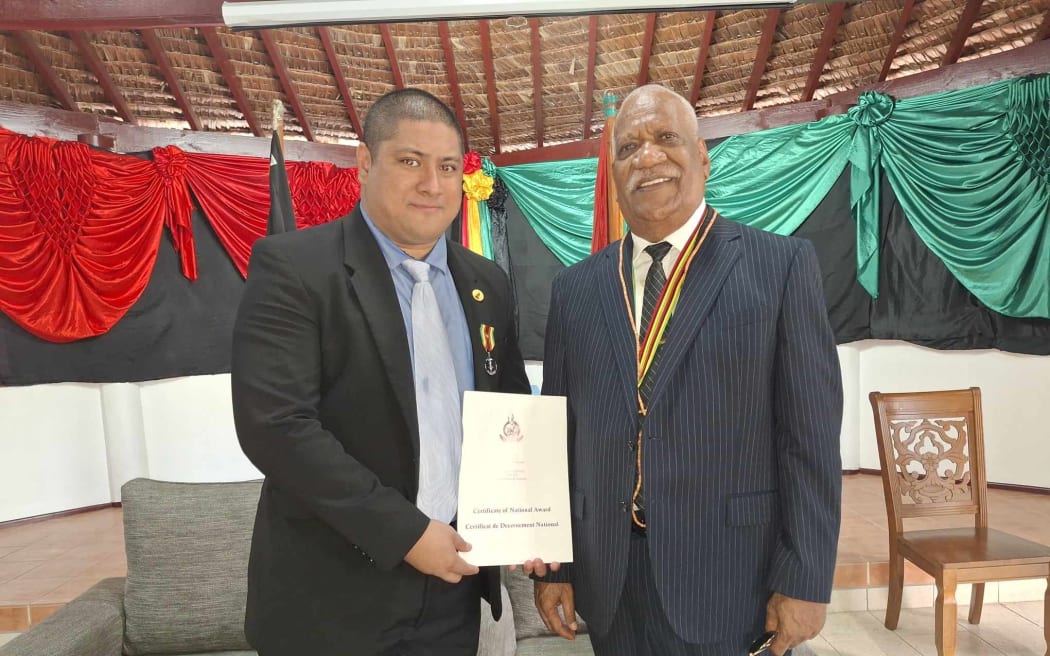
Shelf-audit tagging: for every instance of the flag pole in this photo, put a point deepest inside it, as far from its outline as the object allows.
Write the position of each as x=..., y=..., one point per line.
x=282, y=210
x=278, y=120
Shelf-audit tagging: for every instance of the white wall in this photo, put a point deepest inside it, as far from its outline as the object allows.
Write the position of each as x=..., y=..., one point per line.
x=189, y=431
x=52, y=450
x=1015, y=394
x=69, y=446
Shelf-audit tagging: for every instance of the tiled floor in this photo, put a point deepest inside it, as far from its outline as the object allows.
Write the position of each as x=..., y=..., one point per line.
x=44, y=564
x=1005, y=630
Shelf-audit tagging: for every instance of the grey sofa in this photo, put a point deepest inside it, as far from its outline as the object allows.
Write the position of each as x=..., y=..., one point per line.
x=187, y=549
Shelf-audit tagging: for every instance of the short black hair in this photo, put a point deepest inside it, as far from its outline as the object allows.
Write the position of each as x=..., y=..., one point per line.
x=386, y=114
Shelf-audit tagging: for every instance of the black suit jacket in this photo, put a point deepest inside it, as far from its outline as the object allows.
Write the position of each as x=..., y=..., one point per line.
x=324, y=405
x=741, y=451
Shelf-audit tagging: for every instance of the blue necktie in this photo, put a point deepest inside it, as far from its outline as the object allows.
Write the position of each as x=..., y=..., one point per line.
x=437, y=401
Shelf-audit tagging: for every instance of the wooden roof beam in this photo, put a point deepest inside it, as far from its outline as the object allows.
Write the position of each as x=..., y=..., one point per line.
x=898, y=36
x=40, y=64
x=340, y=79
x=701, y=57
x=274, y=51
x=61, y=15
x=453, y=80
x=827, y=42
x=211, y=37
x=962, y=32
x=592, y=56
x=395, y=67
x=160, y=57
x=490, y=82
x=537, y=80
x=98, y=69
x=647, y=49
x=1032, y=59
x=1043, y=31
x=765, y=46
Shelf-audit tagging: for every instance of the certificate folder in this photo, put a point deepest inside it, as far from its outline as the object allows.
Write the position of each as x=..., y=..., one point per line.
x=514, y=479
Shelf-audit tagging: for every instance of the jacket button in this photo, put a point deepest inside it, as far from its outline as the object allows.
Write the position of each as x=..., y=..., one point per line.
x=630, y=445
x=623, y=506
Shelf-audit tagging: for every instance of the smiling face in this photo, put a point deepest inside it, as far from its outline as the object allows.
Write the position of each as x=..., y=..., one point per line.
x=660, y=164
x=412, y=183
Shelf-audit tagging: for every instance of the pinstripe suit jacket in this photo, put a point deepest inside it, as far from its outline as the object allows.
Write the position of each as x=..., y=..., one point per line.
x=741, y=451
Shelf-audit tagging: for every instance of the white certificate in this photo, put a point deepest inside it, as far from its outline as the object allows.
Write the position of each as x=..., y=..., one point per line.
x=514, y=479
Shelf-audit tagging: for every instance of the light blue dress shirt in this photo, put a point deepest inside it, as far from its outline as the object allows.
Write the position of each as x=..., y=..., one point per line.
x=447, y=296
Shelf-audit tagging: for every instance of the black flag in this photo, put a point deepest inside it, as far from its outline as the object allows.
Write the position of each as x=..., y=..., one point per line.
x=282, y=214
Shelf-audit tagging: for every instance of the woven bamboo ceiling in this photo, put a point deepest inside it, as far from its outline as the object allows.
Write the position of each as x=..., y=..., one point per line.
x=516, y=83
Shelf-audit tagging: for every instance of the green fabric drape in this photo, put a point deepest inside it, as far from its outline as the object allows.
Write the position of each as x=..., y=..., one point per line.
x=557, y=199
x=774, y=179
x=486, y=229
x=970, y=169
x=485, y=216
x=865, y=156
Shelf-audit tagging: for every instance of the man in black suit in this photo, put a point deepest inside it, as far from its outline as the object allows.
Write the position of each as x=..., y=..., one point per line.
x=705, y=403
x=352, y=346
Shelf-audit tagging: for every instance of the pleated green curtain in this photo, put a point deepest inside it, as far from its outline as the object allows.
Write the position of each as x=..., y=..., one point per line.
x=971, y=169
x=557, y=199
x=774, y=179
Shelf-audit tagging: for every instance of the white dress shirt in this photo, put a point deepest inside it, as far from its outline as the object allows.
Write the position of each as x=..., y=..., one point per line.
x=641, y=259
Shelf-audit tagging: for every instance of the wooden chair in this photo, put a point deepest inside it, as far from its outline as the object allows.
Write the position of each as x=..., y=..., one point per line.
x=931, y=446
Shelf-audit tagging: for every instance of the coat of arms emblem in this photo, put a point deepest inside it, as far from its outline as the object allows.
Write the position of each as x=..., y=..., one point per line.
x=511, y=431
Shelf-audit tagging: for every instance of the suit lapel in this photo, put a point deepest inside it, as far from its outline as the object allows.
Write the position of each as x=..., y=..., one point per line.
x=622, y=344
x=701, y=288
x=369, y=277
x=467, y=281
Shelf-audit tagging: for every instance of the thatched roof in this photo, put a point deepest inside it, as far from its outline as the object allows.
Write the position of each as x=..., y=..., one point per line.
x=664, y=47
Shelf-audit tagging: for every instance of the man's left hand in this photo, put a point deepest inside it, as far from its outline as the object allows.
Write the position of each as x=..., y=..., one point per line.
x=794, y=620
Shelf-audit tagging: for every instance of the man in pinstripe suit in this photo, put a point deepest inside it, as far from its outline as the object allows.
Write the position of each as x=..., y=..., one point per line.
x=705, y=404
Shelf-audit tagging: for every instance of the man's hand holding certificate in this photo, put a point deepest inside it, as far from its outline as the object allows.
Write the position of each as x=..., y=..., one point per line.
x=514, y=479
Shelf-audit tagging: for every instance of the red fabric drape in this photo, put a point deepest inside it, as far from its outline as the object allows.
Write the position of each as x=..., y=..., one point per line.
x=79, y=233
x=234, y=193
x=170, y=164
x=321, y=191
x=80, y=229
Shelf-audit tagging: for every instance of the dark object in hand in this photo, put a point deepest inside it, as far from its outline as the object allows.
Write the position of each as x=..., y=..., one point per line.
x=761, y=644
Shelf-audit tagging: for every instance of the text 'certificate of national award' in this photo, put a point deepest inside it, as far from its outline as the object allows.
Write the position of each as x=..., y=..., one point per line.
x=514, y=479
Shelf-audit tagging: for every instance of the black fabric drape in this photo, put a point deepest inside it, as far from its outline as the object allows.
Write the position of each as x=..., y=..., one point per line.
x=498, y=219
x=831, y=229
x=177, y=328
x=534, y=267
x=923, y=303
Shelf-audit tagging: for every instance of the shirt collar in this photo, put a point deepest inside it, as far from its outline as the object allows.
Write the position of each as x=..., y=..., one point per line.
x=394, y=256
x=678, y=239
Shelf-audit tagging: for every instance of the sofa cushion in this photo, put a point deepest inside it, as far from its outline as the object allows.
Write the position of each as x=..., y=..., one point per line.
x=90, y=625
x=497, y=638
x=187, y=548
x=527, y=621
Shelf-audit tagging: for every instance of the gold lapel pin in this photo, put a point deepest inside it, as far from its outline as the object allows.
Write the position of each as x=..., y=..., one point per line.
x=478, y=295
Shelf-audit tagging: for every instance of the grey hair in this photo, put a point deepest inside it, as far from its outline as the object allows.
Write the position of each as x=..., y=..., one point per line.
x=650, y=88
